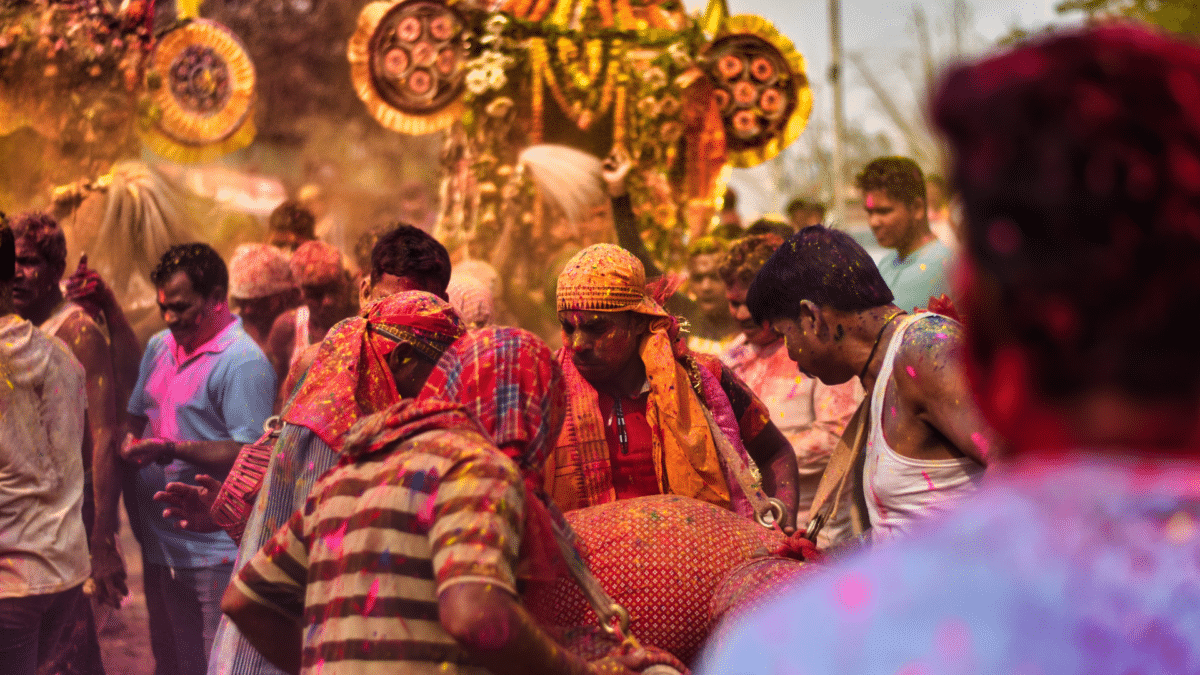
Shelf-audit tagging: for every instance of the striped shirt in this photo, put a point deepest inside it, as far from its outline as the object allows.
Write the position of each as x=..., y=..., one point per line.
x=361, y=565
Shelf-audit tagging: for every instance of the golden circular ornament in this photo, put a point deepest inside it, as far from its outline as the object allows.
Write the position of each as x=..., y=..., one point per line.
x=407, y=62
x=201, y=86
x=760, y=86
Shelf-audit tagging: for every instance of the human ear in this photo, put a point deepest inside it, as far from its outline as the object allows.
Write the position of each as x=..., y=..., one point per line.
x=810, y=319
x=364, y=290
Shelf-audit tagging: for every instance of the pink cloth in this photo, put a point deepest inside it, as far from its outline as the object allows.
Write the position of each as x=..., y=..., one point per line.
x=257, y=271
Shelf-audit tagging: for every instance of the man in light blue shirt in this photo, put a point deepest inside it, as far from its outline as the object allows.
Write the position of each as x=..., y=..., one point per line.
x=916, y=266
x=204, y=389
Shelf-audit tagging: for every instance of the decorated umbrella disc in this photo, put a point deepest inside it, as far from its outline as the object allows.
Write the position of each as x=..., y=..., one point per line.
x=201, y=82
x=760, y=87
x=406, y=61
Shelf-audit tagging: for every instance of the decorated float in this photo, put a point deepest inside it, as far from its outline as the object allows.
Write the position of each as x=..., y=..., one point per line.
x=685, y=97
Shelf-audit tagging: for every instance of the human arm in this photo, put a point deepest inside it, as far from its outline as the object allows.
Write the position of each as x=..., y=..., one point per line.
x=265, y=599
x=615, y=170
x=215, y=456
x=500, y=635
x=86, y=341
x=277, y=637
x=87, y=288
x=280, y=342
x=929, y=373
x=776, y=461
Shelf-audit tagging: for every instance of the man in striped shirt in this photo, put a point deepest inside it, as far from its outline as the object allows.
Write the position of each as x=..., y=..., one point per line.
x=404, y=556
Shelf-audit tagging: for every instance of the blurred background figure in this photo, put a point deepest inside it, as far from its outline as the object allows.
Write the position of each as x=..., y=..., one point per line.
x=260, y=288
x=290, y=225
x=801, y=213
x=941, y=221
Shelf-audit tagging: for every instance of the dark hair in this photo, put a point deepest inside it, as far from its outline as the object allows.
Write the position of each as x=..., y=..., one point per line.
x=821, y=265
x=292, y=216
x=769, y=226
x=801, y=204
x=1078, y=161
x=410, y=252
x=40, y=230
x=899, y=177
x=8, y=251
x=747, y=256
x=706, y=246
x=200, y=262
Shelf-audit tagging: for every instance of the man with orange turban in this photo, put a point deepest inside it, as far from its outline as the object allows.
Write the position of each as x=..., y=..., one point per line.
x=645, y=415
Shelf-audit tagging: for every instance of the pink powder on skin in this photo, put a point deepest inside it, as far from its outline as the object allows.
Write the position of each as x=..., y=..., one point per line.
x=981, y=443
x=912, y=372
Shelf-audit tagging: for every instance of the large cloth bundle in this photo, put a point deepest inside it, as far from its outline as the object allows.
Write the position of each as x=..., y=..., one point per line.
x=753, y=584
x=661, y=558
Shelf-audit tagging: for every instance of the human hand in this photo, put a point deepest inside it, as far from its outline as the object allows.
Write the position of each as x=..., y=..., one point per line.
x=86, y=288
x=108, y=574
x=629, y=658
x=615, y=168
x=191, y=504
x=142, y=452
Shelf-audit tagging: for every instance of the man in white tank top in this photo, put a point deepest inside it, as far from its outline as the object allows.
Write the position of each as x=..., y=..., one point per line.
x=927, y=445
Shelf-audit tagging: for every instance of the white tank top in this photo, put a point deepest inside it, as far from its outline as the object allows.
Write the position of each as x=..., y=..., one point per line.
x=901, y=491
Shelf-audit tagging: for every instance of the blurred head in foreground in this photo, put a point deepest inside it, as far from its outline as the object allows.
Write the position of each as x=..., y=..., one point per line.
x=1078, y=162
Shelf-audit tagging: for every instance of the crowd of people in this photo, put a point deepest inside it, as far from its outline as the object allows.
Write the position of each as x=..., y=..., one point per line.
x=354, y=461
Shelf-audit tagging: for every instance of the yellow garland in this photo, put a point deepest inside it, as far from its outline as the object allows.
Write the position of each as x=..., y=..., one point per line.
x=358, y=52
x=538, y=59
x=762, y=29
x=541, y=68
x=185, y=126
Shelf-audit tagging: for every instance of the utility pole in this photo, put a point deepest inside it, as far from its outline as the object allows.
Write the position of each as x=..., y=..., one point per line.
x=839, y=122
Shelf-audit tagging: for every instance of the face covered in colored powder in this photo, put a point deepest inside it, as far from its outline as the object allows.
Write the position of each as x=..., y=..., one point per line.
x=705, y=283
x=34, y=280
x=811, y=354
x=755, y=333
x=603, y=345
x=187, y=313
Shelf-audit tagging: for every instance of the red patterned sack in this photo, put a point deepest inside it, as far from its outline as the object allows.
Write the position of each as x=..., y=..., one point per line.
x=661, y=557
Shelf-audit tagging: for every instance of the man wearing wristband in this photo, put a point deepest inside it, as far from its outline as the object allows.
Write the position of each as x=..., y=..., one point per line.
x=204, y=389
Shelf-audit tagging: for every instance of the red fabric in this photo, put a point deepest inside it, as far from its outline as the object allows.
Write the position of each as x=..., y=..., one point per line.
x=753, y=584
x=509, y=380
x=350, y=377
x=633, y=471
x=661, y=558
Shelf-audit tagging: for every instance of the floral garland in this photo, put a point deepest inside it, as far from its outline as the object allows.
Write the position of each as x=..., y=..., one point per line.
x=49, y=48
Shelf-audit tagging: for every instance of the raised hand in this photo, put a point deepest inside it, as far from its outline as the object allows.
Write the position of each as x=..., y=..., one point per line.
x=190, y=504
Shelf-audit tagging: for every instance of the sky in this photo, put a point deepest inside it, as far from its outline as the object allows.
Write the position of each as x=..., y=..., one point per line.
x=883, y=32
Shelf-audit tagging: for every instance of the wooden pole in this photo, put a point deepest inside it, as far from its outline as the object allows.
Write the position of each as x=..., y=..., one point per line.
x=839, y=121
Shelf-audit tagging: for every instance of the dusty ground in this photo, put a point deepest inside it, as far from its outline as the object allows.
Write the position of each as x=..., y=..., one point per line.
x=124, y=637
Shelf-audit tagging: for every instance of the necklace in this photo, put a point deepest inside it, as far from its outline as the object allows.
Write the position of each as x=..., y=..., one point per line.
x=886, y=322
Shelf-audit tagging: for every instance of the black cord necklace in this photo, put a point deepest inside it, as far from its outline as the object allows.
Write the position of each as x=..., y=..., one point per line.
x=886, y=322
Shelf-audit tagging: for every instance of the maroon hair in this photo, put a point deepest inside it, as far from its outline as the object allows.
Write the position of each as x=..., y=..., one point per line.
x=1078, y=161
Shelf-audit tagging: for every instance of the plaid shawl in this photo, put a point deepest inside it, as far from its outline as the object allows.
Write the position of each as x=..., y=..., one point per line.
x=350, y=377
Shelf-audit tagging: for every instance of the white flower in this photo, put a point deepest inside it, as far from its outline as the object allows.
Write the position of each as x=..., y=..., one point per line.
x=496, y=78
x=477, y=81
x=655, y=77
x=495, y=24
x=679, y=55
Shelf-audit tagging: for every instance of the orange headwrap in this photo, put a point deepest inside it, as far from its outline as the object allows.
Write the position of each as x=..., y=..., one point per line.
x=607, y=278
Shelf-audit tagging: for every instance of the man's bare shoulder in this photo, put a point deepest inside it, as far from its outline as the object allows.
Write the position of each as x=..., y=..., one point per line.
x=932, y=350
x=86, y=340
